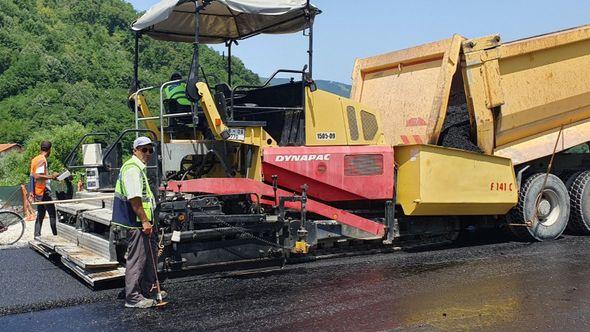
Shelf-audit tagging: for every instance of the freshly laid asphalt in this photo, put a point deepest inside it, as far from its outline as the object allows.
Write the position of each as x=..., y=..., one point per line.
x=479, y=284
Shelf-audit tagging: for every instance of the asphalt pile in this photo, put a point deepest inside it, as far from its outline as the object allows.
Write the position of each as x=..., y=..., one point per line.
x=456, y=131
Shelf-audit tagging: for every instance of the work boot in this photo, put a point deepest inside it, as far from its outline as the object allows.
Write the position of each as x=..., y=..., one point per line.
x=121, y=294
x=143, y=304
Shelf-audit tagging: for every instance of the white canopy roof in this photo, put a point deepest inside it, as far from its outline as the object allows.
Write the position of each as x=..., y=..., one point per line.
x=223, y=20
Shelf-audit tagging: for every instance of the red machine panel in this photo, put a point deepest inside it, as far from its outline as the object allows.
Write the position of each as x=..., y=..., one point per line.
x=236, y=186
x=333, y=173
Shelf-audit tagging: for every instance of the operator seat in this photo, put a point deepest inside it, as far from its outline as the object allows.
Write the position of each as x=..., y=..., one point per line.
x=223, y=88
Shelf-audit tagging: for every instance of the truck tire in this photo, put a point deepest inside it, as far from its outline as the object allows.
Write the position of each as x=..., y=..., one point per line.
x=570, y=180
x=579, y=191
x=552, y=212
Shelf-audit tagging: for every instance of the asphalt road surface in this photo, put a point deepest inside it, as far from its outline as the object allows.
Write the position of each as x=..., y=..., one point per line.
x=503, y=285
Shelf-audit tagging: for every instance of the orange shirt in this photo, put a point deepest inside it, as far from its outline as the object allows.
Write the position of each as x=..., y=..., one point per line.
x=39, y=166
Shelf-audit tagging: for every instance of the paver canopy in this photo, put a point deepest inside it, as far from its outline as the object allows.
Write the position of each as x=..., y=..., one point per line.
x=223, y=20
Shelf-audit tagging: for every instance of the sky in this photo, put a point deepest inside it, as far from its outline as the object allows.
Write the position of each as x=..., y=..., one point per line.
x=350, y=29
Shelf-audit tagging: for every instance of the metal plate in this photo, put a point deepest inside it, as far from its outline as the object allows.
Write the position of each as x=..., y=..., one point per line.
x=85, y=258
x=102, y=216
x=53, y=242
x=238, y=134
x=40, y=248
x=437, y=181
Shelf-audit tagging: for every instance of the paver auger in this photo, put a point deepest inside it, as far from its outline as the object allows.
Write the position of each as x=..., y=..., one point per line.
x=260, y=174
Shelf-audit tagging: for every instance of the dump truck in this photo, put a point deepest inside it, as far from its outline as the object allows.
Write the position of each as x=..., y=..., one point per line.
x=526, y=100
x=256, y=175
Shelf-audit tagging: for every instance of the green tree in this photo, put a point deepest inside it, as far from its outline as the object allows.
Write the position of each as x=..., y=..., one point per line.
x=71, y=61
x=14, y=167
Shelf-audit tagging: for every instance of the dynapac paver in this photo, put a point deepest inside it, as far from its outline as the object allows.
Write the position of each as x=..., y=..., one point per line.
x=263, y=174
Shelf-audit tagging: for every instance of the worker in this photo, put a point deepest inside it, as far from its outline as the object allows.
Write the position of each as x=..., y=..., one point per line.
x=40, y=189
x=133, y=209
x=177, y=91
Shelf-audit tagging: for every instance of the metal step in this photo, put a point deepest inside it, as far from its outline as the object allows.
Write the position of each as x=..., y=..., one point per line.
x=53, y=242
x=74, y=208
x=94, y=277
x=102, y=216
x=89, y=266
x=94, y=243
x=40, y=248
x=67, y=232
x=85, y=258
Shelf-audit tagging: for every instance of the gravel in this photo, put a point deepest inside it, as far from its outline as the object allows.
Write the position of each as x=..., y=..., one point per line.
x=28, y=234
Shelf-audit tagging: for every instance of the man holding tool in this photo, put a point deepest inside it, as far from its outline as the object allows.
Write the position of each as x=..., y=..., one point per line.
x=39, y=192
x=133, y=209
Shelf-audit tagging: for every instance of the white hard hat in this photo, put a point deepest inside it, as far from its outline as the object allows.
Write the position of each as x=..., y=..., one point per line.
x=140, y=141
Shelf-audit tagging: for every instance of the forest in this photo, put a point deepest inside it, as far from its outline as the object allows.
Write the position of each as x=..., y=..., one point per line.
x=66, y=67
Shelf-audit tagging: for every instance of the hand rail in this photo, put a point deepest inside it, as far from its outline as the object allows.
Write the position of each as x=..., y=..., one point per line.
x=135, y=95
x=112, y=146
x=238, y=87
x=120, y=137
x=69, y=158
x=162, y=112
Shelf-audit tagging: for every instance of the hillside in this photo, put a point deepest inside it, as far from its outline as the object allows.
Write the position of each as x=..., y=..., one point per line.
x=338, y=88
x=69, y=61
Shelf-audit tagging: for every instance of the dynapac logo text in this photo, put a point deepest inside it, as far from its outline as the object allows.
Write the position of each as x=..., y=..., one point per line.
x=302, y=157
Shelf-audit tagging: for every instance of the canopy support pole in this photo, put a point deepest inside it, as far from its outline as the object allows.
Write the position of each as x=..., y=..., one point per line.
x=135, y=85
x=309, y=18
x=229, y=69
x=194, y=69
x=191, y=84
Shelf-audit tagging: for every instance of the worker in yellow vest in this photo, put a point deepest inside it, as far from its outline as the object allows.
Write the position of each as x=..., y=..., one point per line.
x=133, y=208
x=176, y=91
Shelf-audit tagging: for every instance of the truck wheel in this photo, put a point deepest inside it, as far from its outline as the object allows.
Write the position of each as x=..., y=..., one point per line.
x=552, y=211
x=579, y=191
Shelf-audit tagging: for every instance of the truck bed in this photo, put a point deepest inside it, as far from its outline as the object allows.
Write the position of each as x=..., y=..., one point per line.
x=517, y=95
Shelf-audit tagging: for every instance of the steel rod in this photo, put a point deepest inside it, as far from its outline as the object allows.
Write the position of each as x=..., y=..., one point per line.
x=229, y=63
x=75, y=200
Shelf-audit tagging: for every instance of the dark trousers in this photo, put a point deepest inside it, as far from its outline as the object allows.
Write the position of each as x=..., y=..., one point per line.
x=140, y=273
x=41, y=209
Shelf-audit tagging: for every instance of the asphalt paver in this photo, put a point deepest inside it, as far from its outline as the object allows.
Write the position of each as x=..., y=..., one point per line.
x=483, y=284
